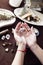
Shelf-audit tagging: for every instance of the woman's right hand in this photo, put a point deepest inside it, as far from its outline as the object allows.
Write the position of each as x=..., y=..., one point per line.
x=30, y=35
x=17, y=34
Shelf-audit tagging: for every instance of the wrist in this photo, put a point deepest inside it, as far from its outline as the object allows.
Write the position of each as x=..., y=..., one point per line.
x=21, y=47
x=33, y=46
x=30, y=43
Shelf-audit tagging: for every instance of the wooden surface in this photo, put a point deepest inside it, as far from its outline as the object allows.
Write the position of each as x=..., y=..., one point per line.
x=7, y=58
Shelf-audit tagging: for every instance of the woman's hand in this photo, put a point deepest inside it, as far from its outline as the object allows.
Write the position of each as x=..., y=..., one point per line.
x=24, y=34
x=17, y=34
x=29, y=34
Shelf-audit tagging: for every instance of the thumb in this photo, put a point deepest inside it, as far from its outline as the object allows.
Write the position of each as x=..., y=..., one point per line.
x=13, y=30
x=32, y=30
x=17, y=37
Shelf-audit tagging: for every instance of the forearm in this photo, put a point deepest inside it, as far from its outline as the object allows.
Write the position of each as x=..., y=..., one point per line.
x=37, y=51
x=18, y=60
x=19, y=57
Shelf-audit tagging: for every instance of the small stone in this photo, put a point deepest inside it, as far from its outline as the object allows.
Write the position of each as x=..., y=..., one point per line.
x=12, y=50
x=7, y=49
x=10, y=44
x=3, y=44
x=22, y=29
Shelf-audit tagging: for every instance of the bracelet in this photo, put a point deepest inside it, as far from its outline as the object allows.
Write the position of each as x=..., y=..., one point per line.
x=22, y=50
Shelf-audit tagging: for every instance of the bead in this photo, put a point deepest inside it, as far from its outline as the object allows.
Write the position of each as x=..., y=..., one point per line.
x=3, y=37
x=7, y=36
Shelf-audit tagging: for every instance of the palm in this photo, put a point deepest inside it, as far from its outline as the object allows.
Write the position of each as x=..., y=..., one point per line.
x=17, y=34
x=23, y=33
x=29, y=34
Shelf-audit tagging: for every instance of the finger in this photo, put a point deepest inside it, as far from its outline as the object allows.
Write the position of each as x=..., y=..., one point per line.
x=13, y=30
x=26, y=26
x=32, y=29
x=22, y=24
x=18, y=26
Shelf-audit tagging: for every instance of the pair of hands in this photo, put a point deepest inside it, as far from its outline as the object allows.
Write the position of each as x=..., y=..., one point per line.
x=24, y=34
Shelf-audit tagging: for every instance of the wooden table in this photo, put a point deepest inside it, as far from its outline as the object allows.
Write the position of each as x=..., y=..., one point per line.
x=7, y=58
